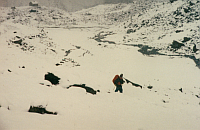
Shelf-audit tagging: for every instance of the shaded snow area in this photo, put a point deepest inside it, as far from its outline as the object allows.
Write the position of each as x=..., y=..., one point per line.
x=56, y=68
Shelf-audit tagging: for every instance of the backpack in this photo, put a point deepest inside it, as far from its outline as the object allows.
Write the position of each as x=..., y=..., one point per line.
x=115, y=79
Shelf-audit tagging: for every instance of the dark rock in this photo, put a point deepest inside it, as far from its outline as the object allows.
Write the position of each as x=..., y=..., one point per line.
x=187, y=10
x=197, y=96
x=150, y=87
x=195, y=48
x=172, y=1
x=18, y=37
x=130, y=31
x=181, y=90
x=165, y=101
x=185, y=39
x=178, y=31
x=88, y=89
x=146, y=50
x=67, y=52
x=9, y=70
x=176, y=45
x=19, y=41
x=33, y=10
x=40, y=110
x=191, y=4
x=52, y=78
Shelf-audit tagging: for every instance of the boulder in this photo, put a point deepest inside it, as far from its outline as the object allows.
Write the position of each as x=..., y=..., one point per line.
x=17, y=41
x=52, y=78
x=176, y=45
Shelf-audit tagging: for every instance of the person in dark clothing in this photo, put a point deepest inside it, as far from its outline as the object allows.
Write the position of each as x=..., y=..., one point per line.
x=118, y=81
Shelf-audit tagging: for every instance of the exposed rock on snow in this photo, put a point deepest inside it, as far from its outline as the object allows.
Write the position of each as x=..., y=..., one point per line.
x=177, y=45
x=41, y=110
x=18, y=41
x=88, y=89
x=52, y=78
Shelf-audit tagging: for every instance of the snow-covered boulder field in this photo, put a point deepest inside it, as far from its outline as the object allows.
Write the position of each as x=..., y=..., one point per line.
x=56, y=67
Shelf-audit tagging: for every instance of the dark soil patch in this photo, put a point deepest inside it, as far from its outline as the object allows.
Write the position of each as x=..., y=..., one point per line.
x=88, y=89
x=52, y=78
x=41, y=110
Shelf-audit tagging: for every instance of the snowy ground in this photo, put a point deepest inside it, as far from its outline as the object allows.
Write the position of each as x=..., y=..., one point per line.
x=74, y=56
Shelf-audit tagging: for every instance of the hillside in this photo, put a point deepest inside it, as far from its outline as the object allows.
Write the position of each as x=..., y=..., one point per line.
x=56, y=67
x=161, y=27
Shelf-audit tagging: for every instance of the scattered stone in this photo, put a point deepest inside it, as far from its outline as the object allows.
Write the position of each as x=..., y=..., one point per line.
x=181, y=90
x=130, y=31
x=178, y=31
x=150, y=87
x=58, y=64
x=187, y=10
x=165, y=101
x=197, y=96
x=18, y=37
x=52, y=78
x=9, y=70
x=41, y=110
x=67, y=52
x=78, y=47
x=33, y=10
x=18, y=41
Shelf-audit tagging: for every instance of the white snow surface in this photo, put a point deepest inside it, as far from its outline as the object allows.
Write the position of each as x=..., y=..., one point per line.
x=23, y=67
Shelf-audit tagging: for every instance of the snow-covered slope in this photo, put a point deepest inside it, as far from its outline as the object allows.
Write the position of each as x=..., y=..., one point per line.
x=92, y=55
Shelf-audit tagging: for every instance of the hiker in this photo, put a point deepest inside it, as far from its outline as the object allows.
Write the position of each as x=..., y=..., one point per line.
x=118, y=81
